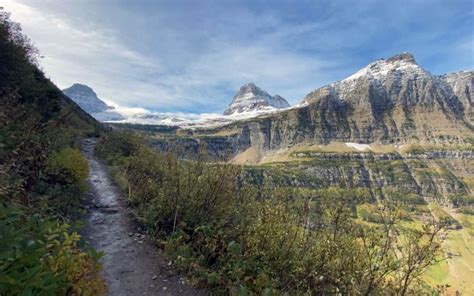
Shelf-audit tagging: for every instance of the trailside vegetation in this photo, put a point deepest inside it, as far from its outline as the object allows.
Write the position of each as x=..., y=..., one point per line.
x=234, y=239
x=42, y=178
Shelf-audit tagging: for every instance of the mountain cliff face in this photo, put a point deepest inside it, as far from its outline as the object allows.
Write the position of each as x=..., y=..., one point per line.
x=430, y=175
x=462, y=85
x=379, y=175
x=251, y=98
x=388, y=101
x=87, y=99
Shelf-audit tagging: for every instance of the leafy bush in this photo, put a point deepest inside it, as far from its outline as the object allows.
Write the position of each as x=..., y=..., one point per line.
x=68, y=167
x=62, y=183
x=470, y=140
x=40, y=257
x=369, y=214
x=119, y=145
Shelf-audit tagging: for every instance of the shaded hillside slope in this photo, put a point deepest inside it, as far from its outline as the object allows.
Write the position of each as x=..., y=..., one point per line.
x=35, y=115
x=42, y=178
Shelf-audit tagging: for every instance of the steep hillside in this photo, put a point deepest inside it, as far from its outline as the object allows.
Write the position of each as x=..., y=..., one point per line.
x=42, y=178
x=36, y=117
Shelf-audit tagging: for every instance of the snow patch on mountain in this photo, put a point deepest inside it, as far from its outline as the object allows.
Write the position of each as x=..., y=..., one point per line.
x=359, y=147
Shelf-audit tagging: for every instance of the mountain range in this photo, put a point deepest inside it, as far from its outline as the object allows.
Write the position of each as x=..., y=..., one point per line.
x=249, y=101
x=391, y=100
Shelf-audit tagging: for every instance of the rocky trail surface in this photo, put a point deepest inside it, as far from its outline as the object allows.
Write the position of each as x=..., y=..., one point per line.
x=132, y=264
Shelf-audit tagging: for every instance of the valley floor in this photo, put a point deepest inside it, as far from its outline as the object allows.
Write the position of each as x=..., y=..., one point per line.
x=131, y=264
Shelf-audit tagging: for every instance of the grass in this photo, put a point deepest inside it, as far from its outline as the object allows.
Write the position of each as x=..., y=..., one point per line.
x=438, y=274
x=461, y=263
x=249, y=156
x=457, y=269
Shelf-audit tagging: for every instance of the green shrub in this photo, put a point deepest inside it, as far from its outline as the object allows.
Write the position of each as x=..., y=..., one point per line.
x=370, y=215
x=415, y=149
x=62, y=183
x=470, y=140
x=40, y=257
x=68, y=167
x=119, y=145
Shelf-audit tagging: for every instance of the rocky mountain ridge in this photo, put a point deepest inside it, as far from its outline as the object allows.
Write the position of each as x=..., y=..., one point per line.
x=462, y=85
x=389, y=101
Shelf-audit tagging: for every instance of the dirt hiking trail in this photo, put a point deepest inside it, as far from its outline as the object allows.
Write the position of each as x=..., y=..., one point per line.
x=132, y=264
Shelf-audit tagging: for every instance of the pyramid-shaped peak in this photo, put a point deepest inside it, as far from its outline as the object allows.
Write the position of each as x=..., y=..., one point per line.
x=250, y=88
x=251, y=98
x=249, y=84
x=405, y=56
x=86, y=98
x=79, y=86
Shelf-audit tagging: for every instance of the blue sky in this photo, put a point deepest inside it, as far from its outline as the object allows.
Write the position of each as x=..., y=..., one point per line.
x=192, y=56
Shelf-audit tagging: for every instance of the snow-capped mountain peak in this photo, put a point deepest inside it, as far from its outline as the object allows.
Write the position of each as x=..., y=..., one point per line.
x=403, y=63
x=386, y=76
x=251, y=98
x=399, y=86
x=88, y=100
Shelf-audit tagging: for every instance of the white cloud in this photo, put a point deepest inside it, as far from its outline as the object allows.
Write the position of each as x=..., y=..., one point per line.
x=127, y=111
x=120, y=74
x=92, y=57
